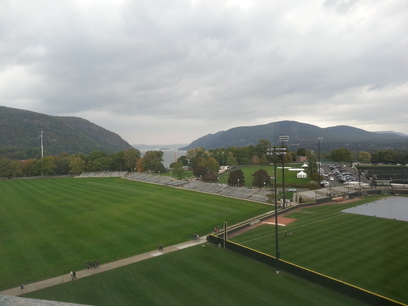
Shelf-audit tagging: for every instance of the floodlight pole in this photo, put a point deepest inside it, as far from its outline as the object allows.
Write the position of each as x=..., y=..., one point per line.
x=318, y=158
x=274, y=151
x=283, y=139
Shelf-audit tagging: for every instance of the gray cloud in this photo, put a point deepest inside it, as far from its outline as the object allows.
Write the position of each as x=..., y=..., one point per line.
x=173, y=71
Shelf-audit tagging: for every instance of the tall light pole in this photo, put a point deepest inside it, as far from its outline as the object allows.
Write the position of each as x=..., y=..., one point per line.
x=274, y=152
x=42, y=153
x=283, y=139
x=42, y=144
x=318, y=158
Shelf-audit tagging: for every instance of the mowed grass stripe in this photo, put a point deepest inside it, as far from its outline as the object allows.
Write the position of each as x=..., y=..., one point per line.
x=194, y=276
x=51, y=226
x=365, y=251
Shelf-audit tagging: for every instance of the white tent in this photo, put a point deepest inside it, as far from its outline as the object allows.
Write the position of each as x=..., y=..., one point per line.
x=301, y=174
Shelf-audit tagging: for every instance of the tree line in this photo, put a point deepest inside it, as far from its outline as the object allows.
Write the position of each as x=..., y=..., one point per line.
x=205, y=164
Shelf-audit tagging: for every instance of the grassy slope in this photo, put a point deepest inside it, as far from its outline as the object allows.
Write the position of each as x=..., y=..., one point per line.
x=195, y=276
x=365, y=251
x=51, y=226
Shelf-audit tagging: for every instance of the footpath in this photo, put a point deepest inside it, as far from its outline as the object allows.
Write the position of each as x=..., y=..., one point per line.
x=102, y=268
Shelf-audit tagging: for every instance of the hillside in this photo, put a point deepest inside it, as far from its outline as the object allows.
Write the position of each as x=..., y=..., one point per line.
x=302, y=135
x=21, y=130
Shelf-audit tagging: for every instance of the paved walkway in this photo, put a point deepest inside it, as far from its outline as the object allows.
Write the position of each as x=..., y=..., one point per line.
x=102, y=268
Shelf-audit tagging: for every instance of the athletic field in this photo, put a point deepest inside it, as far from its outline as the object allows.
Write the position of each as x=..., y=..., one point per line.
x=49, y=227
x=201, y=275
x=365, y=251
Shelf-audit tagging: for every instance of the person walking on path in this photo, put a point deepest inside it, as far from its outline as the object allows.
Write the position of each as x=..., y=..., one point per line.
x=161, y=247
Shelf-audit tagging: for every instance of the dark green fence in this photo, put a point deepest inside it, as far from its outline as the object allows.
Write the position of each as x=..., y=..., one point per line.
x=360, y=294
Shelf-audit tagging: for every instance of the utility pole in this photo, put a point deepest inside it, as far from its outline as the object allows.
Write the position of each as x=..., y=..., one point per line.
x=42, y=144
x=42, y=152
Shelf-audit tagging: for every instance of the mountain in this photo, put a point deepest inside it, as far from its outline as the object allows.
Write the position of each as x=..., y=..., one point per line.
x=391, y=132
x=302, y=135
x=21, y=130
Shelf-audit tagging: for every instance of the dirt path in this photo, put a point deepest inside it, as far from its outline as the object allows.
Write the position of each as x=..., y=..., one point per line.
x=102, y=268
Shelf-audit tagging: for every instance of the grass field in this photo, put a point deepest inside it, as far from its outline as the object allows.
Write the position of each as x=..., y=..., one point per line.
x=195, y=276
x=368, y=252
x=290, y=176
x=51, y=226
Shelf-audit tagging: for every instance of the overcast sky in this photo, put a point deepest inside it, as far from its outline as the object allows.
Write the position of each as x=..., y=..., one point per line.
x=171, y=71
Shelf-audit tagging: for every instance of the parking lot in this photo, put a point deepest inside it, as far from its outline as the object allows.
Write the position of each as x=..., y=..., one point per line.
x=338, y=175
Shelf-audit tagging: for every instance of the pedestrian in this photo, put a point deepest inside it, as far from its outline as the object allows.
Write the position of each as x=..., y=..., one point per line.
x=22, y=287
x=160, y=247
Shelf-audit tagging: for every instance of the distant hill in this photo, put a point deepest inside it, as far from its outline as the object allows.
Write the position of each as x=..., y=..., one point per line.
x=20, y=132
x=302, y=135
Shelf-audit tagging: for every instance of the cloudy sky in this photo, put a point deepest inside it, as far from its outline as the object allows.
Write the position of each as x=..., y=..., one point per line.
x=165, y=72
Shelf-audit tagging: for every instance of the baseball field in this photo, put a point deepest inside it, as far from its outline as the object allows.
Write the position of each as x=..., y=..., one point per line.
x=51, y=226
x=366, y=251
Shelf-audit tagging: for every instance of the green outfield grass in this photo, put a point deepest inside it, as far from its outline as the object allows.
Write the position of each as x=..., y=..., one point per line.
x=368, y=252
x=51, y=226
x=202, y=275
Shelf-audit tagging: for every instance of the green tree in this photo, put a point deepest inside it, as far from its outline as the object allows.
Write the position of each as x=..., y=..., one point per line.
x=62, y=163
x=301, y=152
x=231, y=161
x=76, y=164
x=95, y=155
x=118, y=161
x=264, y=159
x=206, y=167
x=46, y=165
x=261, y=178
x=178, y=170
x=100, y=164
x=152, y=161
x=262, y=146
x=130, y=158
x=183, y=160
x=255, y=160
x=29, y=167
x=364, y=157
x=341, y=155
x=5, y=167
x=15, y=168
x=236, y=178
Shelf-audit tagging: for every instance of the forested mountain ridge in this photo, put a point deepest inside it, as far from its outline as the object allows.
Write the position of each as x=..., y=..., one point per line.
x=20, y=132
x=302, y=135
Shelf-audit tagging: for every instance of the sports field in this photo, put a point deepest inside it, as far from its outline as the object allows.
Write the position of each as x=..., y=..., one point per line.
x=368, y=252
x=202, y=275
x=49, y=227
